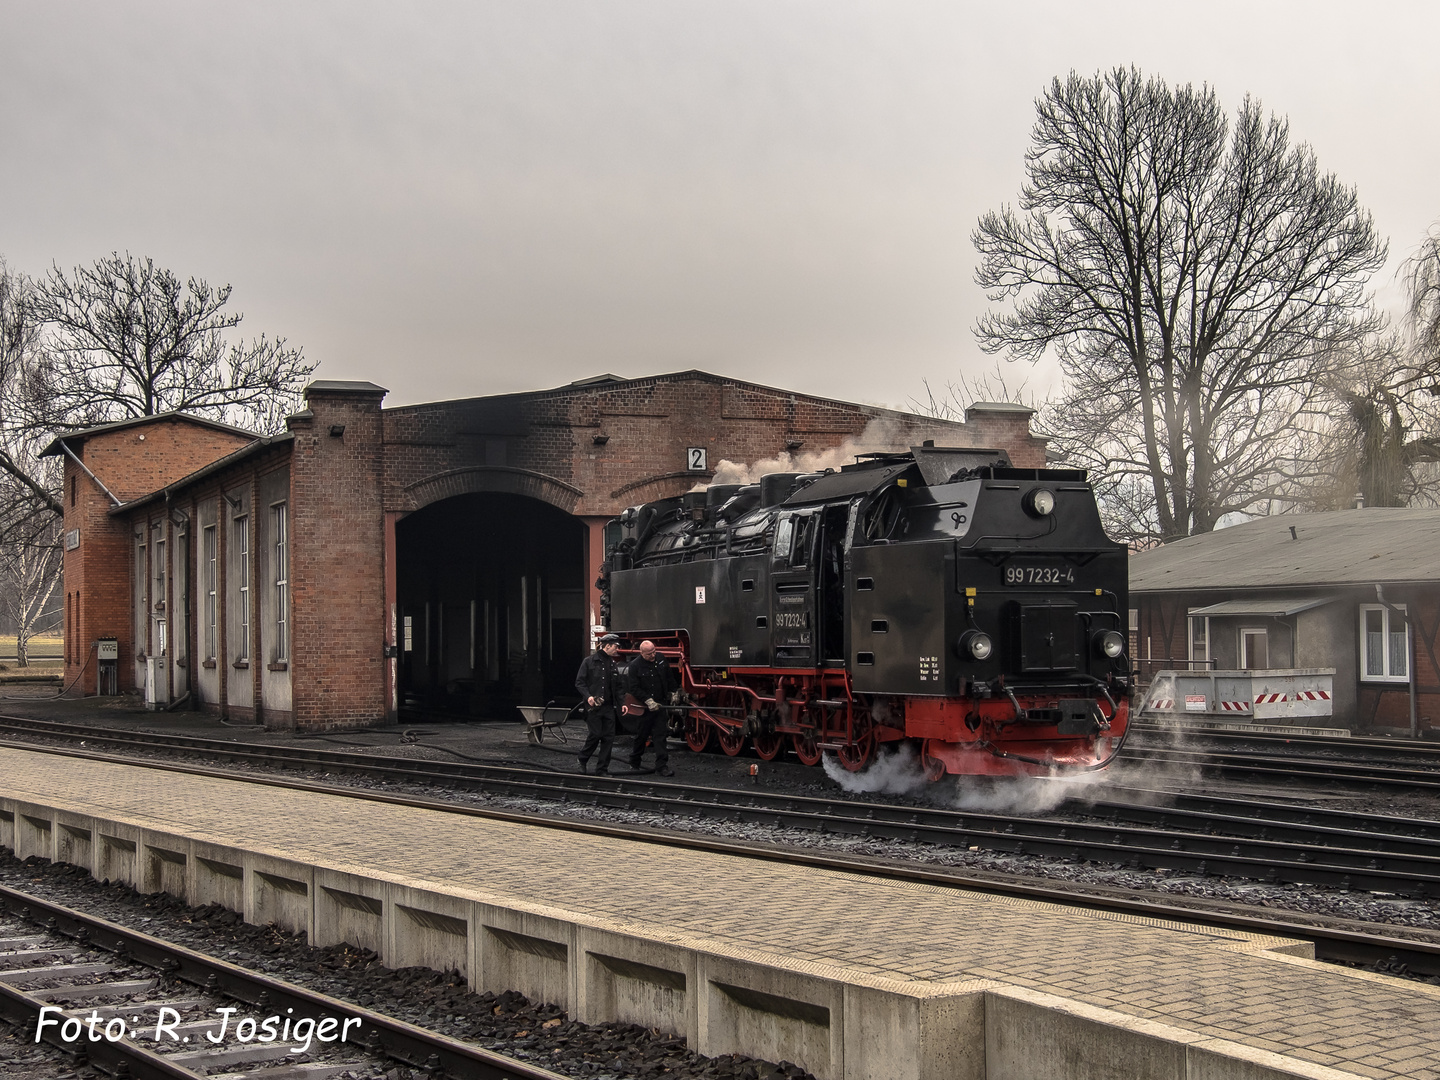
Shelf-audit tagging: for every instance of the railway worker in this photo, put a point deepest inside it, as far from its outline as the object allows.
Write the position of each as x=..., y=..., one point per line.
x=651, y=682
x=601, y=683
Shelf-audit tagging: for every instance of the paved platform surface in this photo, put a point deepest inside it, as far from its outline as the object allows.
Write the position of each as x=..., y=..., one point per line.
x=1214, y=983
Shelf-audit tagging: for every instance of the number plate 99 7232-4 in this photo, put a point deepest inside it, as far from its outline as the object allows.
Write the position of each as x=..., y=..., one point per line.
x=1039, y=577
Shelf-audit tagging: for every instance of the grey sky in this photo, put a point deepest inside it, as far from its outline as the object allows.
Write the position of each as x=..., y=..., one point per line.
x=467, y=198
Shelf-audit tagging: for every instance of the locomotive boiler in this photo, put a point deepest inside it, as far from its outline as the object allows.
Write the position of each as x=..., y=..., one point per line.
x=939, y=596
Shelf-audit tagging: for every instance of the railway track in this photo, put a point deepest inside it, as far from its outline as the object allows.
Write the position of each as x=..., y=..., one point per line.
x=1360, y=748
x=132, y=1004
x=1286, y=767
x=1263, y=841
x=1312, y=854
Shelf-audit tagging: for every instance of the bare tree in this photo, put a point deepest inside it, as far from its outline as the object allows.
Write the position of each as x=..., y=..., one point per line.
x=1386, y=439
x=121, y=339
x=30, y=562
x=1194, y=280
x=19, y=352
x=128, y=339
x=1422, y=279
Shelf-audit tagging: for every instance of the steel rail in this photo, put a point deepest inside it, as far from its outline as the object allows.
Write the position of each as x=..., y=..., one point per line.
x=381, y=1035
x=1298, y=768
x=1304, y=854
x=1423, y=749
x=1333, y=943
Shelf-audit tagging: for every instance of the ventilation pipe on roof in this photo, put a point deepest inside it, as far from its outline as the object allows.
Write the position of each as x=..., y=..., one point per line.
x=1359, y=500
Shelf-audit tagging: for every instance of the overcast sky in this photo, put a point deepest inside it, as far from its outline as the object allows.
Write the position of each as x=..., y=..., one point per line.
x=464, y=198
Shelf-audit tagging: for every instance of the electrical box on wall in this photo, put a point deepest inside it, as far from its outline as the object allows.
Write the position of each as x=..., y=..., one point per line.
x=107, y=648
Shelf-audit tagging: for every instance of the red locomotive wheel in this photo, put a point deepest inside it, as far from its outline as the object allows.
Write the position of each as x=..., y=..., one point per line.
x=934, y=768
x=807, y=747
x=769, y=745
x=856, y=755
x=697, y=733
x=732, y=742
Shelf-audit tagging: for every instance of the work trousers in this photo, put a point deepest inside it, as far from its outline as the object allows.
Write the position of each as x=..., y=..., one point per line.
x=653, y=726
x=601, y=725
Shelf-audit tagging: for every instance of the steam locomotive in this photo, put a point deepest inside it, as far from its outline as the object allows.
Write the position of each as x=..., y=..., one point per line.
x=940, y=596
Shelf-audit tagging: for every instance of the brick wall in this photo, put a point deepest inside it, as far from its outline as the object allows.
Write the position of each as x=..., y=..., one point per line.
x=131, y=461
x=543, y=444
x=337, y=560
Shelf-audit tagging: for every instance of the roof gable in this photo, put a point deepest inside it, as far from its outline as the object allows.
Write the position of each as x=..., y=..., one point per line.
x=73, y=438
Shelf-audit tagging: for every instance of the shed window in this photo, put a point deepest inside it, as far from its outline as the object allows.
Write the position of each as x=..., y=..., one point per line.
x=1384, y=644
x=279, y=527
x=211, y=584
x=242, y=576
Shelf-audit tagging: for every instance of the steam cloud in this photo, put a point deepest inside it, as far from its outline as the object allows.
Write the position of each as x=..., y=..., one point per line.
x=899, y=772
x=881, y=435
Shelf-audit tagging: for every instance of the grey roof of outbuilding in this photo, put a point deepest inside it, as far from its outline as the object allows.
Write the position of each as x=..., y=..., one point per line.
x=1345, y=547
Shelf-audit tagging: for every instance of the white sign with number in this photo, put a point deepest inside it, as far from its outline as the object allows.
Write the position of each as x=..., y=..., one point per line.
x=699, y=594
x=697, y=459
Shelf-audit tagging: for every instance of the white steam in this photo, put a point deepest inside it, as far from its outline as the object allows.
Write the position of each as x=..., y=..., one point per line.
x=899, y=771
x=881, y=435
x=893, y=772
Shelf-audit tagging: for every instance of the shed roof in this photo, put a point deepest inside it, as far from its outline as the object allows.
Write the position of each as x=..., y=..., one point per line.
x=1344, y=547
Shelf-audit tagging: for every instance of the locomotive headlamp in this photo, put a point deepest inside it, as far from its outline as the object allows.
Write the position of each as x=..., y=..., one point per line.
x=1110, y=643
x=976, y=644
x=1040, y=502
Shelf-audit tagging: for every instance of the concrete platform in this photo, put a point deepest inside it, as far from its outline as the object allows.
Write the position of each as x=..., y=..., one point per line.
x=852, y=977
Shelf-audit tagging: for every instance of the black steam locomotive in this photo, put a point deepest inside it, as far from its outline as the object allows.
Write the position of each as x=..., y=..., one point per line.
x=939, y=596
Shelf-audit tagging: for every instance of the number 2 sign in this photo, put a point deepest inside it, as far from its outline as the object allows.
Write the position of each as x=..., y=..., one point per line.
x=696, y=459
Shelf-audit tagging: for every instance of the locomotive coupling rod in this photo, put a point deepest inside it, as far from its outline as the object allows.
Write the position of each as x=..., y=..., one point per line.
x=826, y=702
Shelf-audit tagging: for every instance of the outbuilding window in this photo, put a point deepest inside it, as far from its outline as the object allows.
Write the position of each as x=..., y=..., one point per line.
x=1384, y=643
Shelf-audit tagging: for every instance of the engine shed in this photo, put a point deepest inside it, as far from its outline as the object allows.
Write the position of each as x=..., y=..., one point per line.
x=440, y=556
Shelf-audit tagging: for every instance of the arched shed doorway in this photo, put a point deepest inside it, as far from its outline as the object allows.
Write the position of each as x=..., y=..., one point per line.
x=491, y=593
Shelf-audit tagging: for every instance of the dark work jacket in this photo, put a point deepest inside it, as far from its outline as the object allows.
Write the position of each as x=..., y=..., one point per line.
x=650, y=678
x=601, y=677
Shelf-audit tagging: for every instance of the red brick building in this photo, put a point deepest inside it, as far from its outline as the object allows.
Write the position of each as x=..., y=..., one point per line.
x=441, y=553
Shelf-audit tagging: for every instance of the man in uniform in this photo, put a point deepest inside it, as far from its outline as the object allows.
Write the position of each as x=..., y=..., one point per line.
x=651, y=683
x=601, y=684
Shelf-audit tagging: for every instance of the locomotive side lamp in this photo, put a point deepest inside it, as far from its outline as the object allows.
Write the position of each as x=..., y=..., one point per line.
x=976, y=644
x=1109, y=643
x=1040, y=502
